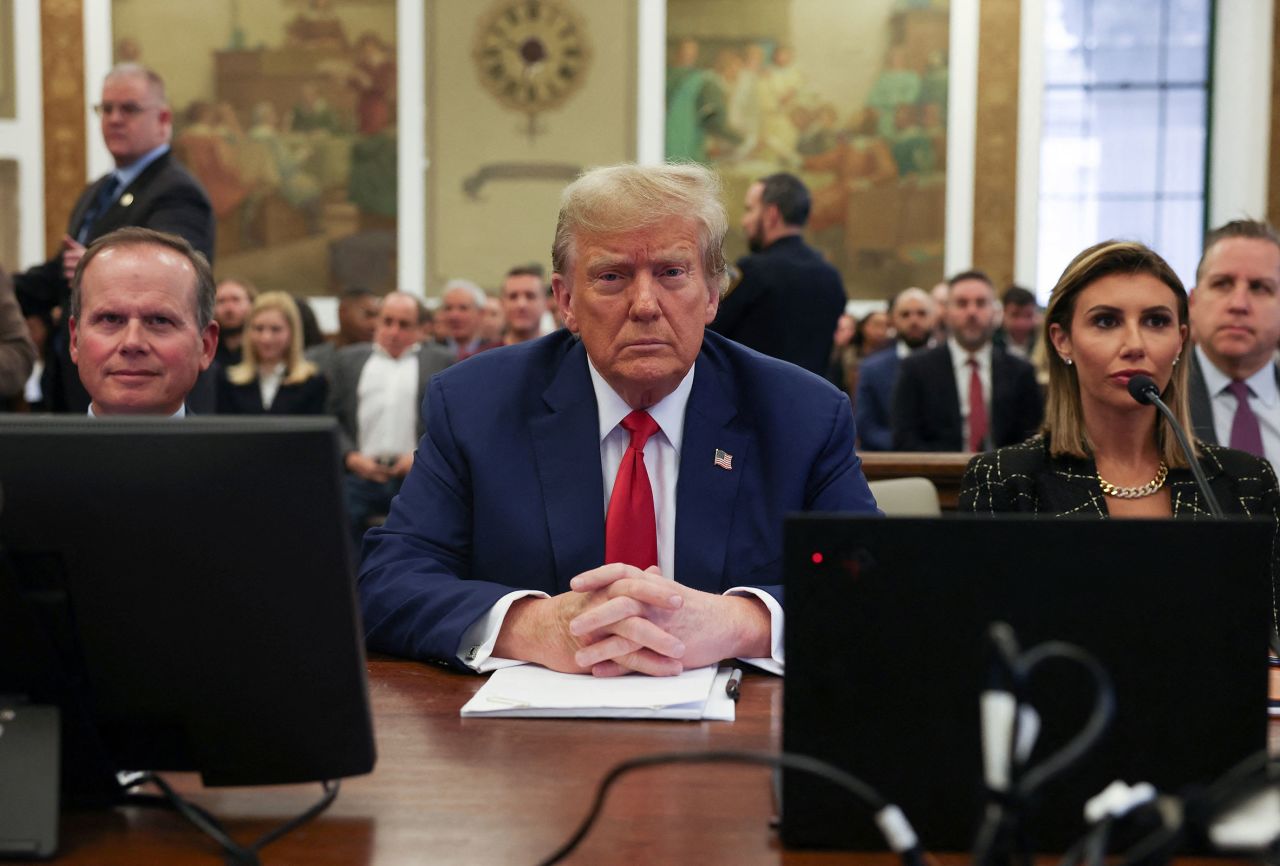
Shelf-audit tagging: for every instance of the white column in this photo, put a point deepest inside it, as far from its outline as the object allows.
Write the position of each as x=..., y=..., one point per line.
x=412, y=157
x=22, y=137
x=1030, y=105
x=651, y=76
x=98, y=51
x=1240, y=134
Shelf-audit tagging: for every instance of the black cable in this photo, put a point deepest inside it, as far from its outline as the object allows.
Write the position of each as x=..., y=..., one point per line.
x=867, y=795
x=236, y=854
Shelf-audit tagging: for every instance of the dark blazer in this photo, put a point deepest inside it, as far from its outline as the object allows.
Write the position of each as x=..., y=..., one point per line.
x=926, y=405
x=873, y=401
x=165, y=197
x=299, y=398
x=344, y=370
x=1201, y=402
x=506, y=491
x=785, y=305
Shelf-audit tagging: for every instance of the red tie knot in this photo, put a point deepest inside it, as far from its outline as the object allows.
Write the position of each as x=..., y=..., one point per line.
x=641, y=426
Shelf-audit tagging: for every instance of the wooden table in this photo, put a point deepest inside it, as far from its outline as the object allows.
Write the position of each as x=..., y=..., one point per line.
x=481, y=791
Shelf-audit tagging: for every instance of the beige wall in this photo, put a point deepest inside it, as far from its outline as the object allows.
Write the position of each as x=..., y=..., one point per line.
x=512, y=220
x=179, y=39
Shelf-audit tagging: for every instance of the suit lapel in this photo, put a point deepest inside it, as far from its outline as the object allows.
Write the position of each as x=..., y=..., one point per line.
x=566, y=446
x=1201, y=407
x=705, y=492
x=951, y=419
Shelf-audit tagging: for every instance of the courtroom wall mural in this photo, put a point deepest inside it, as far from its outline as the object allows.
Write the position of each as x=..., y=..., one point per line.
x=286, y=112
x=852, y=98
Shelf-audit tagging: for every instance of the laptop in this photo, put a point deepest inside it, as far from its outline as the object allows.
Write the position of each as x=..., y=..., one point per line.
x=887, y=654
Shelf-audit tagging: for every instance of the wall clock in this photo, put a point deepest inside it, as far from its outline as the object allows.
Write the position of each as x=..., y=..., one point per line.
x=531, y=55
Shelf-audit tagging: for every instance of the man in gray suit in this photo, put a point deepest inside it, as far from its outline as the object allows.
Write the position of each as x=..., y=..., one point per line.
x=376, y=391
x=1235, y=322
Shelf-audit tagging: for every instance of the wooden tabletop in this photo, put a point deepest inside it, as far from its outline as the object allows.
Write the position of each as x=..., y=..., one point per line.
x=480, y=791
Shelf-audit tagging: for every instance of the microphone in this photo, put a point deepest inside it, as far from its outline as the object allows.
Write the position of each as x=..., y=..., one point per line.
x=1143, y=389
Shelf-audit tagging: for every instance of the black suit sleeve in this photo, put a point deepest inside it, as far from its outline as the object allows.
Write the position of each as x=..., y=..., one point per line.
x=910, y=402
x=736, y=303
x=1030, y=412
x=314, y=394
x=186, y=212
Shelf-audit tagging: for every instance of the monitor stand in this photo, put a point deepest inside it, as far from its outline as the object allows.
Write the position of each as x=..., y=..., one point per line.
x=30, y=744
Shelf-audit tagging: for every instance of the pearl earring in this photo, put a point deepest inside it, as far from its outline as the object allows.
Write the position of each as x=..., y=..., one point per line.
x=1066, y=360
x=1176, y=358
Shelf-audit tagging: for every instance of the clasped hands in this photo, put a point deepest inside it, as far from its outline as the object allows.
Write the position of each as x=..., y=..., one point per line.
x=618, y=619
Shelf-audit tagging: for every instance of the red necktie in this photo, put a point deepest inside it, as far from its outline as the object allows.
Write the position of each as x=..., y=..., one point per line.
x=977, y=409
x=1246, y=435
x=631, y=529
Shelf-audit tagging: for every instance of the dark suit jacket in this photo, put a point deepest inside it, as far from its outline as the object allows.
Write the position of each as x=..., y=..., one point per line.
x=926, y=404
x=165, y=197
x=873, y=401
x=344, y=379
x=1202, y=403
x=300, y=398
x=506, y=491
x=786, y=304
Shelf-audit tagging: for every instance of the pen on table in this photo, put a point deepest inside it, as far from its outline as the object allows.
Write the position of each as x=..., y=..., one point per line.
x=733, y=686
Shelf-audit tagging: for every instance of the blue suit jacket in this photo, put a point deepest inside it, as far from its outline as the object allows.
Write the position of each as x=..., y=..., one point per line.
x=506, y=490
x=873, y=401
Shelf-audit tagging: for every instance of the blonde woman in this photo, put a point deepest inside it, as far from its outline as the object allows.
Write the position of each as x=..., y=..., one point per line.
x=273, y=378
x=1117, y=311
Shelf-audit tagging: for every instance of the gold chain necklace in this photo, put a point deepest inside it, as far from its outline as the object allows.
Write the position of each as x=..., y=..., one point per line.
x=1135, y=492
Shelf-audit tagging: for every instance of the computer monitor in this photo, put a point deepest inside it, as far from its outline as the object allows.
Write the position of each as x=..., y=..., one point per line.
x=887, y=652
x=184, y=590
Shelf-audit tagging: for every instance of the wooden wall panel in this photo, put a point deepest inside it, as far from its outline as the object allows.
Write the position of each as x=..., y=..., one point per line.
x=62, y=53
x=996, y=158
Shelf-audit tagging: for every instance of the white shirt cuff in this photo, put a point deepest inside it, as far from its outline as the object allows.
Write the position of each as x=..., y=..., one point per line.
x=476, y=648
x=776, y=663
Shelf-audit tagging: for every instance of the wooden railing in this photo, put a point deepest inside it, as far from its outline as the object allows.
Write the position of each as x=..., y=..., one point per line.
x=944, y=469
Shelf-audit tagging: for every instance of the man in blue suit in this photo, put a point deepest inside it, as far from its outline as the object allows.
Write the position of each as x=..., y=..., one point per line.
x=610, y=498
x=912, y=315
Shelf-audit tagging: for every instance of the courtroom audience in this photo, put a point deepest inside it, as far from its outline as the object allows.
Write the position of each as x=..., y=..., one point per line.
x=357, y=317
x=141, y=322
x=375, y=391
x=461, y=312
x=233, y=299
x=524, y=303
x=493, y=323
x=273, y=378
x=17, y=351
x=911, y=313
x=1235, y=323
x=1019, y=322
x=965, y=394
x=312, y=336
x=1117, y=311
x=856, y=339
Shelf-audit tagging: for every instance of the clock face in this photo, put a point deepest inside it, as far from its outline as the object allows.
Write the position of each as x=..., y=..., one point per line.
x=531, y=54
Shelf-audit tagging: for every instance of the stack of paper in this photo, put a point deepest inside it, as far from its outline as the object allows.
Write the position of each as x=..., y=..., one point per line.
x=531, y=691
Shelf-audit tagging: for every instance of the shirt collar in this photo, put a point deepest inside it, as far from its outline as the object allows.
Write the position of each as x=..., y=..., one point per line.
x=129, y=173
x=1261, y=383
x=668, y=412
x=181, y=413
x=383, y=353
x=960, y=355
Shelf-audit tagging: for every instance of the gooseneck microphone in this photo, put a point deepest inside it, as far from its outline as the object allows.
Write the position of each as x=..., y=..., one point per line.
x=1143, y=389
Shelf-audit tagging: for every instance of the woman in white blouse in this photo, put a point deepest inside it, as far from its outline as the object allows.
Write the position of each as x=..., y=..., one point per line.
x=274, y=378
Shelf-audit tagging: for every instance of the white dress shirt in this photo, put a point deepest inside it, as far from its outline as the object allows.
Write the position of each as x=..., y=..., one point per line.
x=181, y=413
x=1264, y=400
x=960, y=364
x=662, y=464
x=387, y=403
x=269, y=384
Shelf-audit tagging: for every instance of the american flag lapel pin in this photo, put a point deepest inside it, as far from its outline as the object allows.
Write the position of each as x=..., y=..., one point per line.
x=724, y=459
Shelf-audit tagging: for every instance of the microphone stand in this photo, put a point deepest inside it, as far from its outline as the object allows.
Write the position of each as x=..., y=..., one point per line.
x=1143, y=389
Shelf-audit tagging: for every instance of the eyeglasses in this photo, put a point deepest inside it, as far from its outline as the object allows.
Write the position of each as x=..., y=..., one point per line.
x=126, y=109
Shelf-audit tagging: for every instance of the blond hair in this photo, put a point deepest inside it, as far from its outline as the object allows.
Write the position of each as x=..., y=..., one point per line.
x=617, y=199
x=1064, y=416
x=297, y=369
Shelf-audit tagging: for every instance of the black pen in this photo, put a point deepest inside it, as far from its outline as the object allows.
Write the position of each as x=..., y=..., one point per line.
x=733, y=687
